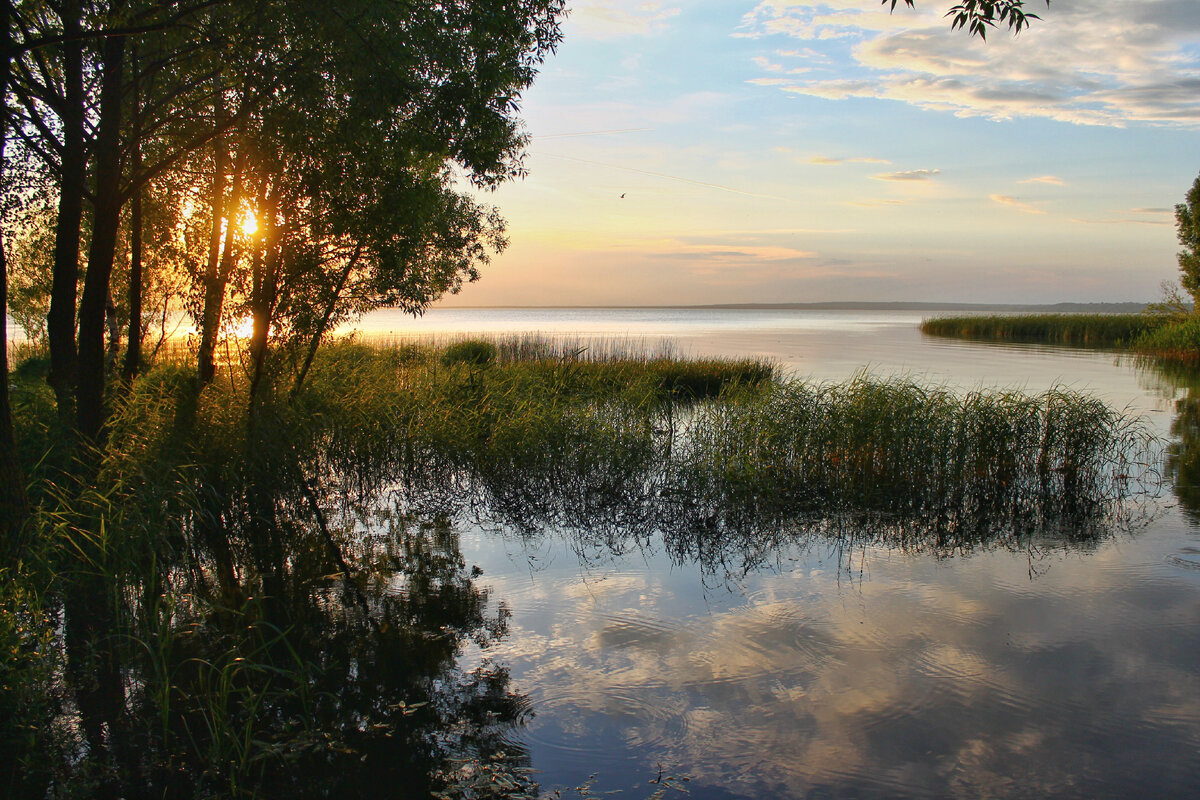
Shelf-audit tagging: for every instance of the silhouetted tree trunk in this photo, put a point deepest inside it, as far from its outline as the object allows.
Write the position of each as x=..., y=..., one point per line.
x=60, y=322
x=89, y=394
x=265, y=271
x=220, y=260
x=326, y=316
x=133, y=353
x=13, y=503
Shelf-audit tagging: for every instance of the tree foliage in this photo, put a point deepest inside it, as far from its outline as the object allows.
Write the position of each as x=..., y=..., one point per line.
x=979, y=16
x=1187, y=225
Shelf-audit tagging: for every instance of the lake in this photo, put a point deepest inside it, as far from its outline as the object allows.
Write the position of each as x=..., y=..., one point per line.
x=824, y=667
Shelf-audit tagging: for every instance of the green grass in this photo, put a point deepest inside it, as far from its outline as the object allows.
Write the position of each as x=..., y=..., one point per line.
x=1080, y=330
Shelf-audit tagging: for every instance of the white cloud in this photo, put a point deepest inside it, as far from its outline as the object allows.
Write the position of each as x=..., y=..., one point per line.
x=610, y=19
x=1049, y=179
x=908, y=175
x=1013, y=202
x=733, y=253
x=877, y=203
x=1119, y=221
x=1098, y=62
x=828, y=161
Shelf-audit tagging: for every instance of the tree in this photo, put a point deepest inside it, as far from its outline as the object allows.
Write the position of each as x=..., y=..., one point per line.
x=1187, y=224
x=352, y=166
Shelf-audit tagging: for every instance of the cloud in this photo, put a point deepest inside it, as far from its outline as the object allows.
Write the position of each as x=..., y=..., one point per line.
x=806, y=53
x=1151, y=211
x=1101, y=62
x=877, y=203
x=1050, y=179
x=618, y=18
x=727, y=254
x=767, y=64
x=1013, y=202
x=908, y=175
x=830, y=162
x=1119, y=221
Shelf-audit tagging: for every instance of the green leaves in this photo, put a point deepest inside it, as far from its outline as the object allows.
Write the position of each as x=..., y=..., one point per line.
x=978, y=16
x=1187, y=225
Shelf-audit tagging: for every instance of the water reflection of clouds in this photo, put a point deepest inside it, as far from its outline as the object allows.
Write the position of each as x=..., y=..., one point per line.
x=918, y=680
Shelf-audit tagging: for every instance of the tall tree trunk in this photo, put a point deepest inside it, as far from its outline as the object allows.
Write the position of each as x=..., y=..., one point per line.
x=114, y=333
x=326, y=316
x=133, y=354
x=89, y=393
x=214, y=285
x=13, y=503
x=262, y=301
x=60, y=322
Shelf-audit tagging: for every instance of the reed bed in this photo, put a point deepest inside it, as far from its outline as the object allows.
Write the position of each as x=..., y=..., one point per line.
x=1081, y=330
x=552, y=443
x=1177, y=343
x=901, y=448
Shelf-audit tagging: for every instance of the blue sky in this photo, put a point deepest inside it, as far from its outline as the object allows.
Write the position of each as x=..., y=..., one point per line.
x=800, y=152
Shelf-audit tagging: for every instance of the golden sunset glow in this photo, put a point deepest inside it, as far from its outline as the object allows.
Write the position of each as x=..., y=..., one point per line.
x=249, y=224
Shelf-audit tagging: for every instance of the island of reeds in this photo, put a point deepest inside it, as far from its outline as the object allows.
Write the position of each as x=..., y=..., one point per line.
x=1168, y=338
x=209, y=606
x=1079, y=330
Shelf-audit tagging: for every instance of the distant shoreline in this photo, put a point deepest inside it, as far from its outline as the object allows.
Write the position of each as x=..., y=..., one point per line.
x=1060, y=308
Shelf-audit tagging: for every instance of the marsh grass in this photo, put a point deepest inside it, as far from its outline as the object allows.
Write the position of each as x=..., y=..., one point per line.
x=1177, y=343
x=903, y=449
x=1080, y=330
x=1168, y=338
x=248, y=573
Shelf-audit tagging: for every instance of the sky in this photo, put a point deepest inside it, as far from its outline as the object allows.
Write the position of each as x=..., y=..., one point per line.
x=713, y=151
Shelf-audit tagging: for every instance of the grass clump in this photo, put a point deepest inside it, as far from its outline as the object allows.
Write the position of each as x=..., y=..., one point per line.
x=1080, y=330
x=477, y=352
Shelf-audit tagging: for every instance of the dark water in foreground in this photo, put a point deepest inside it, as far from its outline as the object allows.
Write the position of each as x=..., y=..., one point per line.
x=810, y=665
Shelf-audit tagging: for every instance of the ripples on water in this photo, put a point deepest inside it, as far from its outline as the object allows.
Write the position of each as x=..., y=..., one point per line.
x=1052, y=669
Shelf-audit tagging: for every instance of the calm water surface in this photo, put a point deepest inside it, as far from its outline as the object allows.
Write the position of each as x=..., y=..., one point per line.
x=815, y=669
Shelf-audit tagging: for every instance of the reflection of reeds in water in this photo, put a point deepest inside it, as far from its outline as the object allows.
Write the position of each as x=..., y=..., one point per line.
x=887, y=463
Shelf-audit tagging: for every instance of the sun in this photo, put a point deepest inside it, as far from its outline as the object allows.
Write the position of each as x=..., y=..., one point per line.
x=243, y=328
x=249, y=224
